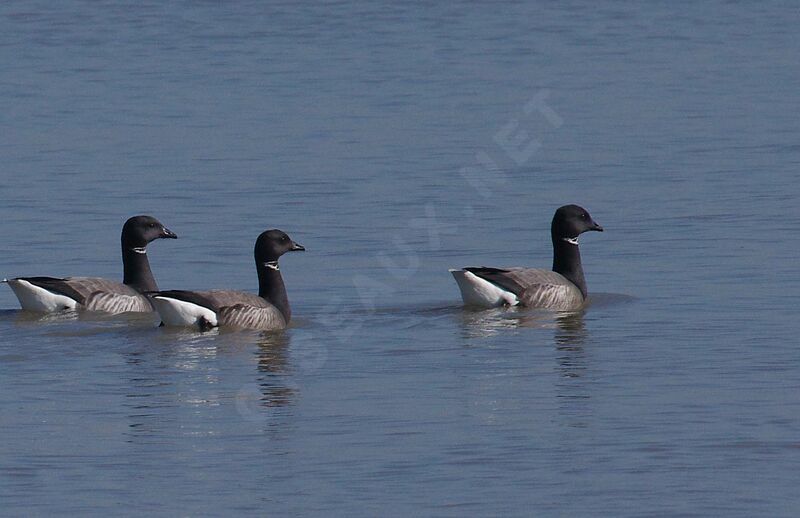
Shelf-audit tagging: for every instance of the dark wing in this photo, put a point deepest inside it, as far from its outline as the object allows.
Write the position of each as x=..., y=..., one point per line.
x=56, y=285
x=516, y=280
x=249, y=317
x=534, y=287
x=225, y=298
x=217, y=299
x=195, y=297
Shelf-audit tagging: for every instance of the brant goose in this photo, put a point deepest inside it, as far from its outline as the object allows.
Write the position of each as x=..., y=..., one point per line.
x=563, y=288
x=48, y=294
x=267, y=311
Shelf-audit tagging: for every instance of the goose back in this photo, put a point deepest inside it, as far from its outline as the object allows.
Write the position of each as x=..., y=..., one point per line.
x=534, y=287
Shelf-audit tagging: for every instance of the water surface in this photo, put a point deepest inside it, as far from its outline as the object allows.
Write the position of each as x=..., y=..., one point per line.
x=396, y=141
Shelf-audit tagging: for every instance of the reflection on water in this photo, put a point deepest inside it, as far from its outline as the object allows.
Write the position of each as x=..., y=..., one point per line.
x=571, y=360
x=272, y=357
x=570, y=329
x=200, y=368
x=572, y=364
x=265, y=401
x=147, y=397
x=23, y=318
x=570, y=326
x=98, y=321
x=489, y=322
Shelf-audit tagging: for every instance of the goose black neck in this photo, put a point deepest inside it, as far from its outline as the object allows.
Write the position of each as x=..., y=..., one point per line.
x=136, y=269
x=271, y=287
x=567, y=262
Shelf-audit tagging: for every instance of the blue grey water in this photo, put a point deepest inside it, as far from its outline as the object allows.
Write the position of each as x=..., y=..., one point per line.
x=395, y=141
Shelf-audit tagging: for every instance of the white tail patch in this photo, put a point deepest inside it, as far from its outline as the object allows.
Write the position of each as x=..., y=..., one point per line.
x=476, y=291
x=34, y=298
x=179, y=313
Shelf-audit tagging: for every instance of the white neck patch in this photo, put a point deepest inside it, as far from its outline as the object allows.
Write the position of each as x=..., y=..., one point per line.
x=140, y=249
x=272, y=265
x=571, y=240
